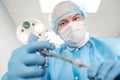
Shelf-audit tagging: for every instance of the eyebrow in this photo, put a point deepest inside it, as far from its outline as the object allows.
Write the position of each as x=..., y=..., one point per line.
x=76, y=15
x=65, y=19
x=62, y=21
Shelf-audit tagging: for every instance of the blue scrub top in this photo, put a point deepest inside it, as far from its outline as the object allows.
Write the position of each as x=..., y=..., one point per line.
x=94, y=50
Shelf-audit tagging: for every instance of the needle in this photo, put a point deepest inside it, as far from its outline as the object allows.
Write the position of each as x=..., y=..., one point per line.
x=76, y=62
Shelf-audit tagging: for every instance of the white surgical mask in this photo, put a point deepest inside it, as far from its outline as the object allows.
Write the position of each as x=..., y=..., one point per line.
x=74, y=34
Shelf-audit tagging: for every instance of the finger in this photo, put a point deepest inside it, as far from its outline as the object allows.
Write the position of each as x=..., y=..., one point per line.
x=32, y=72
x=34, y=59
x=37, y=78
x=93, y=70
x=35, y=46
x=104, y=70
x=32, y=38
x=114, y=72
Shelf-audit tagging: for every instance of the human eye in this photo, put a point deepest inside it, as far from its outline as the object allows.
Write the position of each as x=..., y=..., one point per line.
x=76, y=18
x=62, y=23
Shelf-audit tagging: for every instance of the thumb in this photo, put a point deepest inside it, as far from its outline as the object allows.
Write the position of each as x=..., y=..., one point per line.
x=32, y=38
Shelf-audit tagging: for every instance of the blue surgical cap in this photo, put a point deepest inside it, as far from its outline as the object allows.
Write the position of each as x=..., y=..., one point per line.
x=64, y=10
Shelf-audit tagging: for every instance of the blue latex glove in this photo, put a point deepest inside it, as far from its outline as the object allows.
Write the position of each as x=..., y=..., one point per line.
x=23, y=64
x=108, y=70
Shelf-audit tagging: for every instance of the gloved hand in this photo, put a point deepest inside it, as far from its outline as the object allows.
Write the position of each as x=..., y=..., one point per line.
x=24, y=62
x=108, y=70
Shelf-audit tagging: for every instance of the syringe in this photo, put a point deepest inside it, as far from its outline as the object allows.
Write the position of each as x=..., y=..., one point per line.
x=76, y=62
